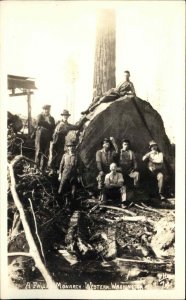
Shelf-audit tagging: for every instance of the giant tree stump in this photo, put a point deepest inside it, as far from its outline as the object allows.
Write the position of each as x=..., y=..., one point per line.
x=134, y=119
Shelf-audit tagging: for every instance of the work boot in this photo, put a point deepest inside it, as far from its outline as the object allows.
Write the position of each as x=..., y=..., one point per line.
x=85, y=112
x=51, y=172
x=161, y=197
x=123, y=205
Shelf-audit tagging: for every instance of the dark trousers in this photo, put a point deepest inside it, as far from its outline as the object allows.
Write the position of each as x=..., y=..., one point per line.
x=41, y=156
x=42, y=145
x=55, y=156
x=112, y=195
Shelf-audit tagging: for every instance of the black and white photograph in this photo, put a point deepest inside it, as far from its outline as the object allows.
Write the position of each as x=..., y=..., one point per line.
x=92, y=164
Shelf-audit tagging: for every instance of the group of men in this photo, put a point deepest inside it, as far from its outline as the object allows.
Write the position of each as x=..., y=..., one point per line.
x=114, y=166
x=50, y=139
x=53, y=154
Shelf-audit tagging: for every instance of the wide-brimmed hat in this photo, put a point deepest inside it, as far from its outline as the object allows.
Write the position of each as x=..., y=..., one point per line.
x=65, y=113
x=152, y=143
x=46, y=106
x=71, y=143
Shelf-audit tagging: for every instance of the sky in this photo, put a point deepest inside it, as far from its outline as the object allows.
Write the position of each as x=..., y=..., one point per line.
x=51, y=41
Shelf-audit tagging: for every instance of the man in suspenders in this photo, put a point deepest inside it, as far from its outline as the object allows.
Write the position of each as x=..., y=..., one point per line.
x=128, y=162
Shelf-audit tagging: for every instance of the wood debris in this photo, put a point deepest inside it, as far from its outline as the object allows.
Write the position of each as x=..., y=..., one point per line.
x=92, y=233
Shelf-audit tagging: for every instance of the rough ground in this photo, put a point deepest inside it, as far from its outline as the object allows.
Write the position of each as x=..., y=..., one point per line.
x=86, y=242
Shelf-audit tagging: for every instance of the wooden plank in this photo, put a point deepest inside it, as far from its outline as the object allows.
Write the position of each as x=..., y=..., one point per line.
x=146, y=208
x=119, y=209
x=20, y=94
x=19, y=254
x=160, y=262
x=14, y=83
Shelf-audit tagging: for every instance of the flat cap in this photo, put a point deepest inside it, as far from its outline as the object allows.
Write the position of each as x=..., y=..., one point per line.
x=46, y=106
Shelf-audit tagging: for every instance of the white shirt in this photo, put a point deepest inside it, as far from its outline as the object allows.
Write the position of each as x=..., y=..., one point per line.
x=155, y=159
x=111, y=178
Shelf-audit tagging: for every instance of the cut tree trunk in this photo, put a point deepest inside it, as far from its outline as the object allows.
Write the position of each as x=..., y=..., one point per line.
x=104, y=66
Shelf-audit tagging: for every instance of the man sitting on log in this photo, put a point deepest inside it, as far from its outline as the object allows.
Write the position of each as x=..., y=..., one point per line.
x=124, y=88
x=128, y=163
x=114, y=188
x=155, y=165
x=104, y=157
x=69, y=170
x=58, y=142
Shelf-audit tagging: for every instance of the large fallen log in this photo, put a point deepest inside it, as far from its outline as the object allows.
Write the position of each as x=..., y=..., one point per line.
x=126, y=117
x=160, y=265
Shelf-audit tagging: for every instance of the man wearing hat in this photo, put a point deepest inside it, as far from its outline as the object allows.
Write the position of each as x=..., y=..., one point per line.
x=104, y=157
x=69, y=169
x=45, y=128
x=155, y=165
x=58, y=141
x=128, y=162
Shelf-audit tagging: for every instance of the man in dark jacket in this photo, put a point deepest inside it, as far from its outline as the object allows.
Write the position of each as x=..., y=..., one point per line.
x=69, y=170
x=58, y=142
x=45, y=128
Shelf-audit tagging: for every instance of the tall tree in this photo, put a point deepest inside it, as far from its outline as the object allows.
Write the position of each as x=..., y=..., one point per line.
x=104, y=66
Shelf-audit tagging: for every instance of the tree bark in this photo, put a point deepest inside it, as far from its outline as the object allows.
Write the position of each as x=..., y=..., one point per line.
x=104, y=67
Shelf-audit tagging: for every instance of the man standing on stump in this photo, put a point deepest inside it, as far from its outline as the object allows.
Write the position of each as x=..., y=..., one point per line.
x=58, y=143
x=155, y=165
x=45, y=128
